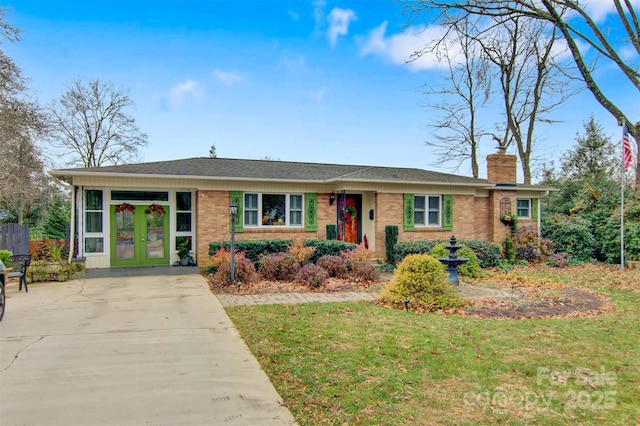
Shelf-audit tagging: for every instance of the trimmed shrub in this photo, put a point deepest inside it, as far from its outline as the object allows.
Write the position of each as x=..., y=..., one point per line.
x=279, y=267
x=312, y=275
x=332, y=232
x=423, y=281
x=508, y=249
x=489, y=254
x=335, y=266
x=253, y=249
x=243, y=271
x=530, y=247
x=571, y=234
x=390, y=240
x=469, y=269
x=363, y=270
x=328, y=248
x=220, y=267
x=300, y=251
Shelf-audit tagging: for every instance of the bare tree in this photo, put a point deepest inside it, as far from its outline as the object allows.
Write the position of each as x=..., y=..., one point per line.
x=465, y=93
x=578, y=28
x=90, y=123
x=21, y=124
x=532, y=83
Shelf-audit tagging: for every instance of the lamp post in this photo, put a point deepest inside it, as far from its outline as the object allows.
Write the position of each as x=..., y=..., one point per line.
x=233, y=212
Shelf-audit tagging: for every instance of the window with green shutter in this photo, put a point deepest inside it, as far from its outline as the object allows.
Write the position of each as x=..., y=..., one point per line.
x=311, y=211
x=408, y=212
x=237, y=198
x=447, y=213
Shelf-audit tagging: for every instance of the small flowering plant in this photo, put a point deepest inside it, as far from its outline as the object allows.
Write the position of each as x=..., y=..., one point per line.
x=124, y=207
x=155, y=209
x=509, y=219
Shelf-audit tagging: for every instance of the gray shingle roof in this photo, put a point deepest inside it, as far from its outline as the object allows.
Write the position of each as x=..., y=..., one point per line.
x=226, y=168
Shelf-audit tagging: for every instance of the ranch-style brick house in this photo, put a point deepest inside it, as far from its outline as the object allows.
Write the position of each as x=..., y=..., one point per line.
x=138, y=214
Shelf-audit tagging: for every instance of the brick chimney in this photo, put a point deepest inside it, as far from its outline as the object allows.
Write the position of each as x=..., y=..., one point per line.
x=502, y=168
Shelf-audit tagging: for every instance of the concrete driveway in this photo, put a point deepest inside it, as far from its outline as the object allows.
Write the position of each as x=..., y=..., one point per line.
x=128, y=351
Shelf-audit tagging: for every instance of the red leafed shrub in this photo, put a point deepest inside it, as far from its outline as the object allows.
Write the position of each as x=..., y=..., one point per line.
x=335, y=266
x=279, y=267
x=244, y=269
x=363, y=270
x=312, y=275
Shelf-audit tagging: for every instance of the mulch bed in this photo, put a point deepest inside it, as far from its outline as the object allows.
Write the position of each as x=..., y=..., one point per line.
x=568, y=302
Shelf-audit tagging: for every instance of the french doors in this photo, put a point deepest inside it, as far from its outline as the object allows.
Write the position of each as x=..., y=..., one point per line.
x=139, y=235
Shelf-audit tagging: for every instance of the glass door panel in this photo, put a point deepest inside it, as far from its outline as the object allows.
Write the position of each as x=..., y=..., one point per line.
x=155, y=236
x=125, y=234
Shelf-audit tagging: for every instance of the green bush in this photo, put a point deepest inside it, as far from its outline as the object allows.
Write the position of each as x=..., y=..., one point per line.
x=423, y=281
x=608, y=236
x=254, y=250
x=469, y=269
x=5, y=257
x=508, y=249
x=489, y=254
x=332, y=232
x=571, y=234
x=390, y=240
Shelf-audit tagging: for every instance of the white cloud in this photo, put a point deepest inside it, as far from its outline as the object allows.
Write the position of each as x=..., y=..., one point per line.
x=299, y=63
x=227, y=78
x=293, y=15
x=318, y=14
x=317, y=95
x=399, y=48
x=339, y=20
x=180, y=91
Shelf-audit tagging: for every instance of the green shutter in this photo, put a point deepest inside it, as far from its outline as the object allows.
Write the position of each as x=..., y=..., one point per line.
x=238, y=198
x=311, y=211
x=447, y=212
x=534, y=208
x=409, y=218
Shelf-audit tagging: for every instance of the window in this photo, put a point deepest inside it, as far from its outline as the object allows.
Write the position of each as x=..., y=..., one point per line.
x=524, y=208
x=273, y=209
x=183, y=211
x=93, y=214
x=427, y=211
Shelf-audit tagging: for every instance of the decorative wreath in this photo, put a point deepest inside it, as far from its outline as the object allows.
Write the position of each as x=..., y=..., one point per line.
x=124, y=207
x=155, y=209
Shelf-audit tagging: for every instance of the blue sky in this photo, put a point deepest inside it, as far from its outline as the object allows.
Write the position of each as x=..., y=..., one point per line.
x=315, y=81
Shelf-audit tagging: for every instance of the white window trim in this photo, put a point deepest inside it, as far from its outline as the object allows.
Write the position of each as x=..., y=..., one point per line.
x=528, y=209
x=287, y=212
x=105, y=212
x=426, y=211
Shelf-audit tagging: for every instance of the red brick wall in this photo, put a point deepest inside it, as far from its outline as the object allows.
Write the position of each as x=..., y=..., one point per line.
x=502, y=168
x=212, y=217
x=473, y=218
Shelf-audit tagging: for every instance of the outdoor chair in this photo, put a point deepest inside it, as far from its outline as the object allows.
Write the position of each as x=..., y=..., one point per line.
x=20, y=263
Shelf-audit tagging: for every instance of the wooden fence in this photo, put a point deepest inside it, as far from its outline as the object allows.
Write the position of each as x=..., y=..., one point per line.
x=14, y=237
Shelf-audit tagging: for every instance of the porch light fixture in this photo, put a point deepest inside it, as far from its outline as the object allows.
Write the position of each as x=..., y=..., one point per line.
x=332, y=198
x=233, y=212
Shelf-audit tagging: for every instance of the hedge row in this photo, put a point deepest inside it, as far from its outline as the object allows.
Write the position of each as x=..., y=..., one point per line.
x=255, y=249
x=489, y=254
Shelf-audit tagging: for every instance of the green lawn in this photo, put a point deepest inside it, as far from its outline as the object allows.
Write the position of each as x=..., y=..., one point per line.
x=358, y=363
